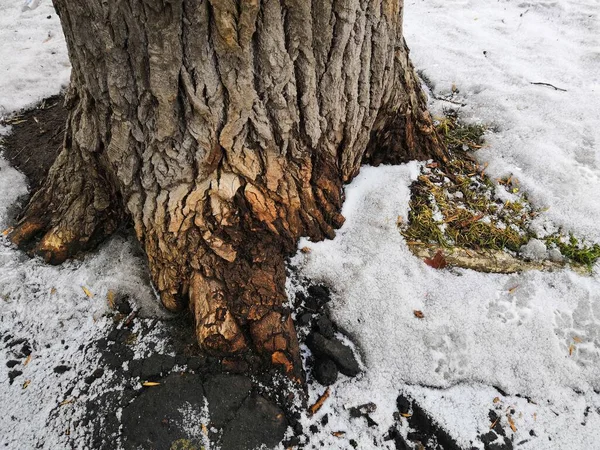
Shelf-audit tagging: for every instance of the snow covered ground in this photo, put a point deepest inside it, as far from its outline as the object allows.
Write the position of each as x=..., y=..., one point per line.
x=534, y=336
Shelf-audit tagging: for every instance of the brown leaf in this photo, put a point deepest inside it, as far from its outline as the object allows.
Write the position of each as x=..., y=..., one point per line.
x=306, y=250
x=279, y=358
x=338, y=433
x=577, y=339
x=66, y=402
x=8, y=230
x=150, y=383
x=418, y=314
x=437, y=262
x=511, y=423
x=319, y=403
x=26, y=384
x=571, y=348
x=87, y=292
x=496, y=399
x=110, y=297
x=27, y=360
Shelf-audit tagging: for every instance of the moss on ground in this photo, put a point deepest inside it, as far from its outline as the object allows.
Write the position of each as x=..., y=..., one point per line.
x=457, y=205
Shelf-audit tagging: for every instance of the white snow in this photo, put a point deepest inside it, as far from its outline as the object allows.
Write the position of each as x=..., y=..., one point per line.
x=533, y=334
x=534, y=250
x=34, y=63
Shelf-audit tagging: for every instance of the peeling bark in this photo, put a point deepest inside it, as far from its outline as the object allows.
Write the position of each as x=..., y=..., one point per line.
x=225, y=130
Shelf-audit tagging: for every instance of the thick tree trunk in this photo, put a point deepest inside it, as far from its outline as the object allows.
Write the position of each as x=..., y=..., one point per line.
x=225, y=129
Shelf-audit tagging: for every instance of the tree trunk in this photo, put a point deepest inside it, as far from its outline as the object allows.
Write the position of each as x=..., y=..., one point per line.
x=225, y=129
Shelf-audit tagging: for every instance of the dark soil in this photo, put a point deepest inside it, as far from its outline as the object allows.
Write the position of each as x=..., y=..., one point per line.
x=36, y=138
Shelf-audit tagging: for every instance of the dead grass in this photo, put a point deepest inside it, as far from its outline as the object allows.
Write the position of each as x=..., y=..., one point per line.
x=456, y=205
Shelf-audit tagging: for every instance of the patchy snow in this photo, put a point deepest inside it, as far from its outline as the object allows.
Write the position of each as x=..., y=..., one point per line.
x=35, y=63
x=492, y=51
x=535, y=335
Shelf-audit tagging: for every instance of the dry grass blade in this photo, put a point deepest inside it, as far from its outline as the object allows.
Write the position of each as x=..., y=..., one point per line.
x=319, y=403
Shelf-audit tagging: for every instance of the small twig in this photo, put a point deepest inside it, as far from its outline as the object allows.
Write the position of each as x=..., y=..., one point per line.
x=549, y=85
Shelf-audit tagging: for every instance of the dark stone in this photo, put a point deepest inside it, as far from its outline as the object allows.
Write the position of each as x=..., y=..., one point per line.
x=324, y=326
x=532, y=433
x=61, y=369
x=313, y=429
x=123, y=306
x=155, y=419
x=258, y=422
x=98, y=373
x=487, y=438
x=325, y=419
x=340, y=354
x=89, y=379
x=320, y=293
x=12, y=363
x=326, y=372
x=13, y=374
x=298, y=430
x=353, y=443
x=225, y=394
x=403, y=404
x=305, y=318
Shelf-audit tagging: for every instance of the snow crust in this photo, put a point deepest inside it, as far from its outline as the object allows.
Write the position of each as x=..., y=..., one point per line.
x=533, y=334
x=34, y=62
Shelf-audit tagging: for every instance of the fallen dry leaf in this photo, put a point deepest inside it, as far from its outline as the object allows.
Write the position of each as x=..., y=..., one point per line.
x=319, y=403
x=338, y=433
x=513, y=289
x=150, y=383
x=437, y=262
x=5, y=232
x=418, y=314
x=87, y=292
x=27, y=360
x=52, y=291
x=306, y=250
x=110, y=297
x=407, y=415
x=571, y=348
x=66, y=402
x=511, y=423
x=577, y=339
x=496, y=399
x=26, y=384
x=279, y=358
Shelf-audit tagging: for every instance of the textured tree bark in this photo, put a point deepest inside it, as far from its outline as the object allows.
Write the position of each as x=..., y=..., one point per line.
x=225, y=130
